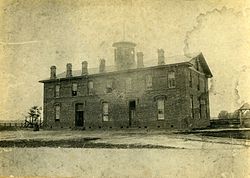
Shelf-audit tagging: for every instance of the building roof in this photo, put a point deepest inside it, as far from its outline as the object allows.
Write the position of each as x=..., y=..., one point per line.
x=124, y=44
x=147, y=64
x=245, y=106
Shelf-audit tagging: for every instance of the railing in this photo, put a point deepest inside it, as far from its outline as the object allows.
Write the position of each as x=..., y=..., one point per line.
x=19, y=124
x=234, y=122
x=11, y=124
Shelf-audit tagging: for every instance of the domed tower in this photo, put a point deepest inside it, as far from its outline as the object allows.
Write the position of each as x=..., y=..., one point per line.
x=124, y=55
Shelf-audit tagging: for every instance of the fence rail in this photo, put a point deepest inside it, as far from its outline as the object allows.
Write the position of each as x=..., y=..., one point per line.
x=235, y=122
x=11, y=124
x=19, y=124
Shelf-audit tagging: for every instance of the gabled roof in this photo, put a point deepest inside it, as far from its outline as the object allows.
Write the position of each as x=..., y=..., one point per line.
x=147, y=64
x=204, y=65
x=245, y=106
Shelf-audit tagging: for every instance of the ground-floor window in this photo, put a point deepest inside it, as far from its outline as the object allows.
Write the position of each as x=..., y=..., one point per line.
x=207, y=108
x=160, y=108
x=192, y=106
x=105, y=111
x=200, y=108
x=57, y=113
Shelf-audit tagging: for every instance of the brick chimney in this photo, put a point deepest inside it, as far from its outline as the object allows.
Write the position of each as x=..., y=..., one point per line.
x=84, y=68
x=161, y=57
x=140, y=60
x=102, y=65
x=69, y=70
x=53, y=72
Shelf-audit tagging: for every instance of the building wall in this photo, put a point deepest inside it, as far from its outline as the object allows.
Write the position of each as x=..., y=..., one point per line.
x=198, y=89
x=177, y=100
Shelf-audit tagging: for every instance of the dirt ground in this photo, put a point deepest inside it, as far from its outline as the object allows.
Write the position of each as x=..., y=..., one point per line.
x=122, y=154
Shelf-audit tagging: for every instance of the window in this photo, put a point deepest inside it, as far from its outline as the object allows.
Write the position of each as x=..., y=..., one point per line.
x=171, y=80
x=200, y=107
x=202, y=85
x=198, y=83
x=109, y=86
x=192, y=105
x=149, y=82
x=160, y=108
x=105, y=111
x=205, y=85
x=57, y=115
x=57, y=93
x=91, y=87
x=74, y=89
x=190, y=79
x=128, y=84
x=197, y=64
x=207, y=108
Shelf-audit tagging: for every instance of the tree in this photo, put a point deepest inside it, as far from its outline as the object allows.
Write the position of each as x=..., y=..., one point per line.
x=223, y=115
x=34, y=114
x=235, y=114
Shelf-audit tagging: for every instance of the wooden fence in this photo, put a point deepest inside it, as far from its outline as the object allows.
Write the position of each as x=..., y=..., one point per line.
x=18, y=124
x=217, y=123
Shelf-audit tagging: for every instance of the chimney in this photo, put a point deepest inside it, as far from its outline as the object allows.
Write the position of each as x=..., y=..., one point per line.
x=161, y=57
x=102, y=65
x=69, y=70
x=84, y=68
x=140, y=60
x=53, y=72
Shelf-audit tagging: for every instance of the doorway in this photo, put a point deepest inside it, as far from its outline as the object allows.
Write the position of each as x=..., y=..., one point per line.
x=79, y=115
x=132, y=107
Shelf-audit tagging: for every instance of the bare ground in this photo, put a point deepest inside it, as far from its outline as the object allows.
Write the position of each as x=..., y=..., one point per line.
x=122, y=154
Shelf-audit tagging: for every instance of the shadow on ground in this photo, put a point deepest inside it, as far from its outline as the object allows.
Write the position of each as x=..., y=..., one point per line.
x=237, y=134
x=76, y=143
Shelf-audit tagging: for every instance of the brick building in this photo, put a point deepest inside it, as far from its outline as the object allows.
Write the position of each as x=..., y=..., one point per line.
x=170, y=94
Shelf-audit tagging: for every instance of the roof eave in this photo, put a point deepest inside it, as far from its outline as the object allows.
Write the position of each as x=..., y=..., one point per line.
x=115, y=72
x=208, y=71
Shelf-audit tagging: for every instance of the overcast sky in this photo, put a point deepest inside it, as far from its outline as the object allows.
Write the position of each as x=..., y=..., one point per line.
x=37, y=34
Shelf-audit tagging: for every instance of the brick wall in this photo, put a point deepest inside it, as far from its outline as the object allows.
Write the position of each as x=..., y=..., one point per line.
x=177, y=100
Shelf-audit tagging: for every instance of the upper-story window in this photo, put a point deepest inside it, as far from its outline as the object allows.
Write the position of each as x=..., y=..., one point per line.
x=74, y=89
x=202, y=85
x=171, y=80
x=198, y=82
x=57, y=91
x=109, y=86
x=197, y=64
x=128, y=84
x=105, y=111
x=205, y=85
x=149, y=82
x=91, y=87
x=160, y=108
x=190, y=79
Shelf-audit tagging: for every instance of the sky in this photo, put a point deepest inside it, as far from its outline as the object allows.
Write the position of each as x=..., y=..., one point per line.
x=35, y=35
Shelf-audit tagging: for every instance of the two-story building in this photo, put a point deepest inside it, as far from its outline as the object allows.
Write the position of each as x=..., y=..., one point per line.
x=170, y=94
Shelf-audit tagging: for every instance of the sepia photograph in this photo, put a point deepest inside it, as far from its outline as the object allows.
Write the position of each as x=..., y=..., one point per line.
x=125, y=88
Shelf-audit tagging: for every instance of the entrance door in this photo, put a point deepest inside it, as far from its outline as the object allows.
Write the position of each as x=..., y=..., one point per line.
x=131, y=111
x=79, y=115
